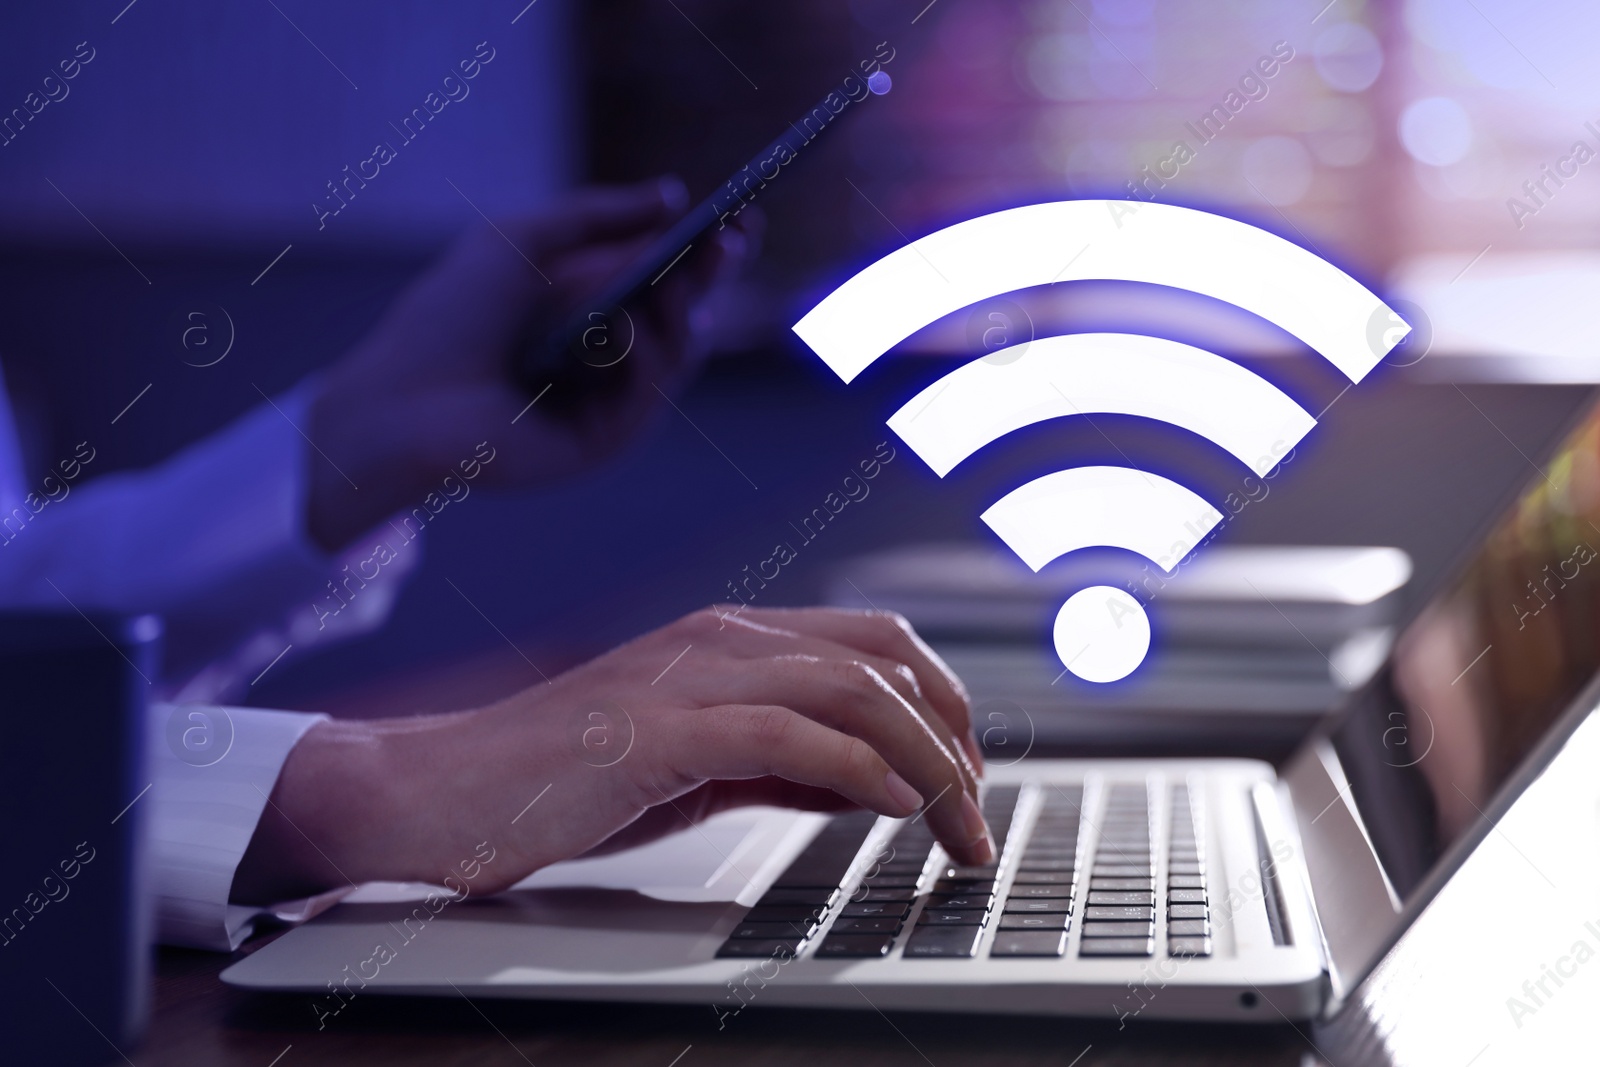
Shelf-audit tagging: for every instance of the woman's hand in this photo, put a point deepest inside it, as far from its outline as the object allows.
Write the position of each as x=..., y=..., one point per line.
x=812, y=708
x=433, y=378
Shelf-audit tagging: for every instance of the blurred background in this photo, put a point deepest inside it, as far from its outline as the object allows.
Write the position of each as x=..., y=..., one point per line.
x=1430, y=147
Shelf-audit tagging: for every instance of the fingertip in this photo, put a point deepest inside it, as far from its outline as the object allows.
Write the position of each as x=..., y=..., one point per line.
x=981, y=853
x=979, y=843
x=673, y=193
x=901, y=792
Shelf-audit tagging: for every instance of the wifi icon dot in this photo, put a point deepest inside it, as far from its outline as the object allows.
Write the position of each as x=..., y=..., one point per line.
x=1101, y=633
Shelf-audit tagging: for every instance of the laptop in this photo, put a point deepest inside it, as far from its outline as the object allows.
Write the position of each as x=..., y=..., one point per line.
x=1212, y=889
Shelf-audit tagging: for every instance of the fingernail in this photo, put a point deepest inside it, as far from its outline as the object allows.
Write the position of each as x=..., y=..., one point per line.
x=983, y=852
x=980, y=846
x=972, y=819
x=902, y=793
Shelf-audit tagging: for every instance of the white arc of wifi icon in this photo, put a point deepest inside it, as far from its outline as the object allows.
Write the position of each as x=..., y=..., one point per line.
x=1101, y=633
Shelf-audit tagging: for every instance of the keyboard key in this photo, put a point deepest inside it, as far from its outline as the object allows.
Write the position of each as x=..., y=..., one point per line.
x=822, y=864
x=1186, y=881
x=892, y=881
x=1113, y=885
x=960, y=901
x=1042, y=878
x=1119, y=913
x=785, y=913
x=964, y=885
x=849, y=924
x=1037, y=907
x=1185, y=911
x=977, y=874
x=893, y=910
x=869, y=895
x=1056, y=921
x=756, y=948
x=1040, y=892
x=1122, y=929
x=899, y=867
x=1117, y=946
x=814, y=897
x=1186, y=896
x=1029, y=943
x=855, y=946
x=771, y=931
x=1142, y=899
x=1121, y=870
x=938, y=917
x=942, y=942
x=1186, y=868
x=1048, y=865
x=1188, y=946
x=1188, y=928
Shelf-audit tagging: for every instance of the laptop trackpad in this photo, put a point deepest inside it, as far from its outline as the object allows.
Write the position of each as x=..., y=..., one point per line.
x=645, y=909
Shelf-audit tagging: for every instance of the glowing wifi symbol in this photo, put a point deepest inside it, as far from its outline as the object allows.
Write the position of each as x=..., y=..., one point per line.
x=1101, y=633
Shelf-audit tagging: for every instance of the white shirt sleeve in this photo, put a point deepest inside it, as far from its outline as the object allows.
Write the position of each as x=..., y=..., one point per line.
x=214, y=768
x=213, y=540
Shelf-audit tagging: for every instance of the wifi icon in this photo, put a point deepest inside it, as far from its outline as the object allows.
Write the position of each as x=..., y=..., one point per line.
x=1101, y=633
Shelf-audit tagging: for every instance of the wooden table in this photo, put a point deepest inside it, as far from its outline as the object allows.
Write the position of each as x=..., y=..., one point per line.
x=199, y=1020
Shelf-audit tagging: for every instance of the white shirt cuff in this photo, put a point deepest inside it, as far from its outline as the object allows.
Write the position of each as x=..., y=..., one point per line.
x=214, y=768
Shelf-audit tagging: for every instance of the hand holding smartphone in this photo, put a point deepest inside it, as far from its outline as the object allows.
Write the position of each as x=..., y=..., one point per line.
x=578, y=363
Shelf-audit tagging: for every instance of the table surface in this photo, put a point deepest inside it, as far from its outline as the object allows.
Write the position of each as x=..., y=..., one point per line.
x=199, y=1020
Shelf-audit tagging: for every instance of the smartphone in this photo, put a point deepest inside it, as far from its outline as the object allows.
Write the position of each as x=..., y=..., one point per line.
x=580, y=362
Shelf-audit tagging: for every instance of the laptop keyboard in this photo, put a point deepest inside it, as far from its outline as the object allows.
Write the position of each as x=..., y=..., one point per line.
x=800, y=899
x=1188, y=914
x=1031, y=913
x=1119, y=915
x=961, y=899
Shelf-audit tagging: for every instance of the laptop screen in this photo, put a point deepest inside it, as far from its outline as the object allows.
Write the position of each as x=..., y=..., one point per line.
x=1480, y=676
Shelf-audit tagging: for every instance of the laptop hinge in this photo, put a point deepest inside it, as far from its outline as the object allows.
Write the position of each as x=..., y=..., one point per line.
x=1354, y=902
x=1263, y=801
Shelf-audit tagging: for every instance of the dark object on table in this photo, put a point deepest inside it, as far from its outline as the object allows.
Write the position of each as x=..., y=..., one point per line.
x=74, y=920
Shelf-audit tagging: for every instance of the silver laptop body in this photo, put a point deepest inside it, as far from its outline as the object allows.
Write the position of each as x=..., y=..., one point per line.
x=1163, y=888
